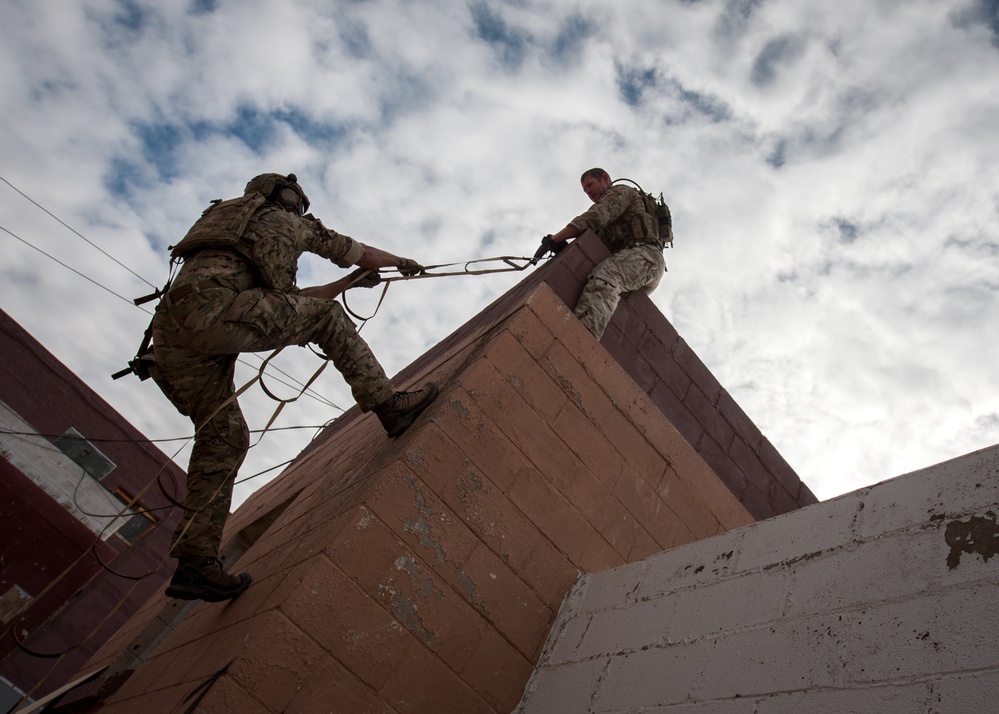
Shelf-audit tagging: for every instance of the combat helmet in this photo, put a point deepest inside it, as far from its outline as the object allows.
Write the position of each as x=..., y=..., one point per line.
x=269, y=186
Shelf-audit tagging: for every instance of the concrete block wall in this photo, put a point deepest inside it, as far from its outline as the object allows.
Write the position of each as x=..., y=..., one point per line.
x=423, y=574
x=882, y=600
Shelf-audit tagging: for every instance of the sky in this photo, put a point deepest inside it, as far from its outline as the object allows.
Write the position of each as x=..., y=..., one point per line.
x=830, y=167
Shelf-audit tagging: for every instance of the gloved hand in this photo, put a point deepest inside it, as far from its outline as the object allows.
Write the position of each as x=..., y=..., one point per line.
x=547, y=244
x=408, y=266
x=364, y=278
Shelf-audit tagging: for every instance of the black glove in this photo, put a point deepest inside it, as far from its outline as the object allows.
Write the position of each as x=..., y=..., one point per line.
x=408, y=266
x=547, y=244
x=364, y=278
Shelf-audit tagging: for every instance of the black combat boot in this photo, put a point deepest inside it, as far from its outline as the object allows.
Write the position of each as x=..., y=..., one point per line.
x=402, y=408
x=204, y=578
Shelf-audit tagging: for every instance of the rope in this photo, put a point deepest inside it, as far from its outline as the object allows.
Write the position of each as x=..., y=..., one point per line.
x=512, y=263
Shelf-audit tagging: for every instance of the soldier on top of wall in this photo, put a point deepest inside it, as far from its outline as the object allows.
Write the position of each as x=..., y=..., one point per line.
x=236, y=293
x=626, y=223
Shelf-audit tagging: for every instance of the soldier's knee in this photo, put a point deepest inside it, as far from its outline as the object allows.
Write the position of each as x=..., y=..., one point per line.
x=601, y=285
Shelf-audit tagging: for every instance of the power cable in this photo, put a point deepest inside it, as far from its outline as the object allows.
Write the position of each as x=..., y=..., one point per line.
x=73, y=230
x=74, y=270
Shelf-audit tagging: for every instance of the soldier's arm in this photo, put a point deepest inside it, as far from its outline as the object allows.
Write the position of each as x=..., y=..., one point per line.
x=608, y=209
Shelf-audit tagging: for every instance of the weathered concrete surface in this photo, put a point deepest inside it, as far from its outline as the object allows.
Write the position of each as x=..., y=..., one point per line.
x=882, y=600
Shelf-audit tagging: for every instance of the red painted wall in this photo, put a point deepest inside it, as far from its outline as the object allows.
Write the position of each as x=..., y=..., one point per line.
x=45, y=549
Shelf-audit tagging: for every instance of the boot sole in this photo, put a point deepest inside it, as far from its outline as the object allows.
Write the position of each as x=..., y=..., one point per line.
x=208, y=593
x=408, y=420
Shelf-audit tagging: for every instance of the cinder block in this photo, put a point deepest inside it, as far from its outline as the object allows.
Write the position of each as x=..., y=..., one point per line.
x=421, y=519
x=802, y=534
x=689, y=506
x=666, y=368
x=530, y=332
x=517, y=420
x=549, y=574
x=620, y=430
x=579, y=386
x=694, y=368
x=436, y=459
x=589, y=444
x=743, y=426
x=497, y=672
x=781, y=501
x=437, y=616
x=493, y=519
x=332, y=688
x=677, y=413
x=274, y=661
x=555, y=517
x=644, y=546
x=596, y=502
x=633, y=363
x=564, y=688
x=896, y=698
x=463, y=422
x=691, y=566
x=525, y=375
x=929, y=634
x=620, y=631
x=422, y=683
x=732, y=474
x=502, y=598
x=967, y=691
x=726, y=605
x=654, y=677
x=171, y=698
x=640, y=498
x=348, y=623
x=952, y=488
x=709, y=417
x=778, y=466
x=161, y=672
x=801, y=654
x=563, y=640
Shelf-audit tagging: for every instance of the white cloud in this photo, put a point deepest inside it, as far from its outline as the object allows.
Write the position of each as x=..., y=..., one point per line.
x=829, y=167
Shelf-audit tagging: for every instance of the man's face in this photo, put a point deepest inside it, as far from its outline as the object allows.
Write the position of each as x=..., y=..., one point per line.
x=595, y=187
x=289, y=198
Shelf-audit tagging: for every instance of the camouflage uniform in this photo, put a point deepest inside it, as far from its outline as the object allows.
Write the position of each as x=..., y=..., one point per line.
x=227, y=301
x=631, y=234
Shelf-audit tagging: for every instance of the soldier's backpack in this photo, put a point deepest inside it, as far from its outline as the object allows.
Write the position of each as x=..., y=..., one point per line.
x=655, y=207
x=221, y=225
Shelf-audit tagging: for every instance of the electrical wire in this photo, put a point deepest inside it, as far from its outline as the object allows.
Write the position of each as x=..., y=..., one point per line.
x=74, y=270
x=73, y=230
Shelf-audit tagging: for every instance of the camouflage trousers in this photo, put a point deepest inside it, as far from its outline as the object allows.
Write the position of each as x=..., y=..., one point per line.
x=638, y=268
x=197, y=341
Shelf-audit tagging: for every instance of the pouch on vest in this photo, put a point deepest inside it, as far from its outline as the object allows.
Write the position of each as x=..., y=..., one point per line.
x=657, y=208
x=221, y=225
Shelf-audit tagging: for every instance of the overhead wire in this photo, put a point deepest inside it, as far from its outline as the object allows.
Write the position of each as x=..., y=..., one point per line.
x=73, y=230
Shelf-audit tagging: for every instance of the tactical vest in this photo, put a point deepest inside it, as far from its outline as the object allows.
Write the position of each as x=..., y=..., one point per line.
x=657, y=227
x=221, y=225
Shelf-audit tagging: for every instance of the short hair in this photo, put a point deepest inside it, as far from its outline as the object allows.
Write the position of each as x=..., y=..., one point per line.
x=593, y=173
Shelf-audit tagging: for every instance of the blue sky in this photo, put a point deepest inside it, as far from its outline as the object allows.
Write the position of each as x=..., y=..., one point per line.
x=830, y=168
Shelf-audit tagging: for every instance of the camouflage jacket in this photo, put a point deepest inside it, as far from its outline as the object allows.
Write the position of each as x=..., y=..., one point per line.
x=272, y=241
x=619, y=219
